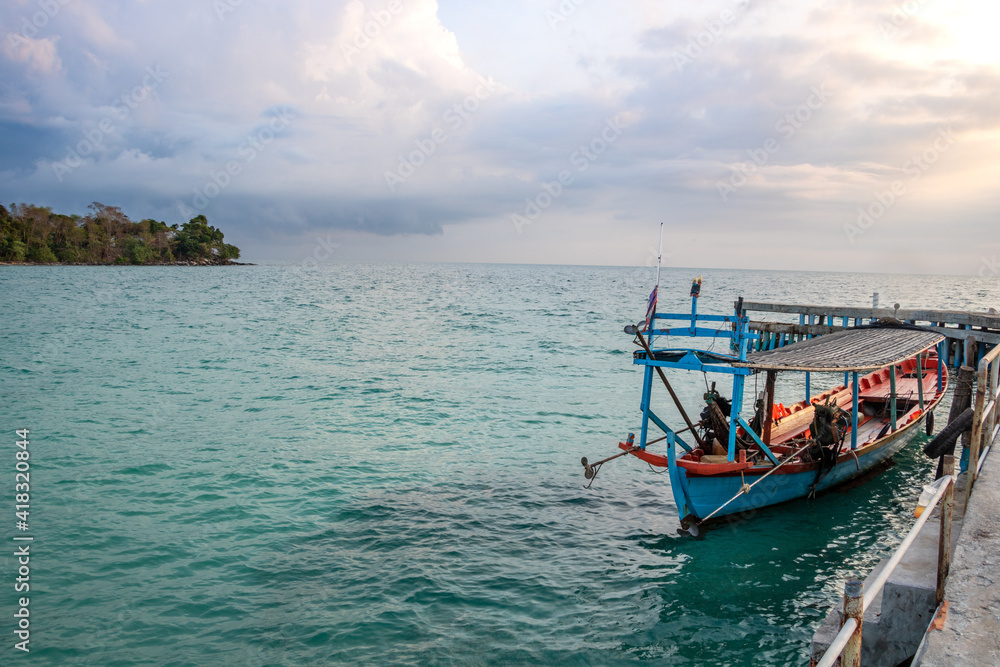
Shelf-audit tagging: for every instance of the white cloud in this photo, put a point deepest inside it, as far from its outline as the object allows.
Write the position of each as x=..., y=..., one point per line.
x=391, y=63
x=368, y=82
x=40, y=55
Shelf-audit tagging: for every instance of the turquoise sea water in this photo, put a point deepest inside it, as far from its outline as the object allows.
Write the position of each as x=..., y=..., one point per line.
x=363, y=464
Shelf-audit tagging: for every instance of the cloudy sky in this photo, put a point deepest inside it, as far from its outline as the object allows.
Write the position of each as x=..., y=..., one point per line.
x=791, y=134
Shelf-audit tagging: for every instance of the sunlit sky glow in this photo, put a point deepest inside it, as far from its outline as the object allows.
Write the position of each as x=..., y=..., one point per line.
x=758, y=131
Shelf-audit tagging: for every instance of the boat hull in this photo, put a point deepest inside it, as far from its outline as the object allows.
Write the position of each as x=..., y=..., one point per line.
x=698, y=496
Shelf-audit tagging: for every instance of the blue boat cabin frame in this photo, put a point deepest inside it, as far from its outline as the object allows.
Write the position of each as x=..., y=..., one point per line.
x=740, y=338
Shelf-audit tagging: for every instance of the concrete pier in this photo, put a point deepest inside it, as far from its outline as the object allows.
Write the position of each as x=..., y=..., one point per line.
x=896, y=625
x=971, y=631
x=903, y=624
x=896, y=621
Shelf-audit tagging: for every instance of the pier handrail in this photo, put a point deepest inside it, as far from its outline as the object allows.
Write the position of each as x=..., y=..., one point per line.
x=986, y=420
x=985, y=427
x=848, y=640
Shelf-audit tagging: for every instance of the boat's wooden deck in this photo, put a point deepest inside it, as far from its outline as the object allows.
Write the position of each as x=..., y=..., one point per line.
x=874, y=388
x=795, y=424
x=878, y=387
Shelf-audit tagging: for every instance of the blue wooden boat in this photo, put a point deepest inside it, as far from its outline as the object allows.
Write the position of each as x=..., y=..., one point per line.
x=734, y=460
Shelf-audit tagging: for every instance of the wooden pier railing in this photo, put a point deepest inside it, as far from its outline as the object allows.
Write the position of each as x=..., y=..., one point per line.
x=986, y=420
x=846, y=646
x=985, y=426
x=969, y=336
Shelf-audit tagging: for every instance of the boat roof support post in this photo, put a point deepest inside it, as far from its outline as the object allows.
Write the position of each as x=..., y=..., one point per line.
x=920, y=380
x=734, y=415
x=769, y=405
x=854, y=410
x=940, y=365
x=808, y=390
x=647, y=388
x=892, y=395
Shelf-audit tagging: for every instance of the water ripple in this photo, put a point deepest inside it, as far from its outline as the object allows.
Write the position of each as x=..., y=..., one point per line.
x=380, y=465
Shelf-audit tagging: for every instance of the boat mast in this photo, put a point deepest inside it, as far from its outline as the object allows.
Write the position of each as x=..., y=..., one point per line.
x=647, y=380
x=659, y=256
x=656, y=290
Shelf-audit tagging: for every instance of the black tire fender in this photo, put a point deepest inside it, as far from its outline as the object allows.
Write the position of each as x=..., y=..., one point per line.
x=944, y=442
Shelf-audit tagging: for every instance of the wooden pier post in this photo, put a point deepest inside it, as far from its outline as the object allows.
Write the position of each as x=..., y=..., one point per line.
x=992, y=383
x=959, y=352
x=854, y=607
x=944, y=544
x=971, y=351
x=961, y=400
x=975, y=439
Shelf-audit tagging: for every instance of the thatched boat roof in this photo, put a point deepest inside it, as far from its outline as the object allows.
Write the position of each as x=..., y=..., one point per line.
x=860, y=349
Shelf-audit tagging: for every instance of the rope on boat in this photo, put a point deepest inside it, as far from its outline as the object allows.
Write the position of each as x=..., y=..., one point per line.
x=746, y=488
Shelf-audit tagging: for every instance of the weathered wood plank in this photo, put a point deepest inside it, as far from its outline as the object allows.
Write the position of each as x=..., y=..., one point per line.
x=989, y=337
x=797, y=329
x=817, y=330
x=958, y=317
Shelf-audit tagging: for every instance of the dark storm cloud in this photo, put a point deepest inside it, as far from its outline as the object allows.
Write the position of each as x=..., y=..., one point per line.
x=263, y=119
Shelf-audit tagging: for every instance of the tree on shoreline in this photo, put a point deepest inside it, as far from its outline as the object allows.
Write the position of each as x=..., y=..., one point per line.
x=35, y=234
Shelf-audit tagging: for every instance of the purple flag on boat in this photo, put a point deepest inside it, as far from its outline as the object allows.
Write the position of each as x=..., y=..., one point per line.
x=651, y=309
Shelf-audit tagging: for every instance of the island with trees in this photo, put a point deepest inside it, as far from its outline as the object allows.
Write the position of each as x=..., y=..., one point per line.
x=32, y=234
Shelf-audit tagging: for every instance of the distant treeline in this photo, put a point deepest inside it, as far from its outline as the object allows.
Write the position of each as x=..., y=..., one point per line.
x=30, y=233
